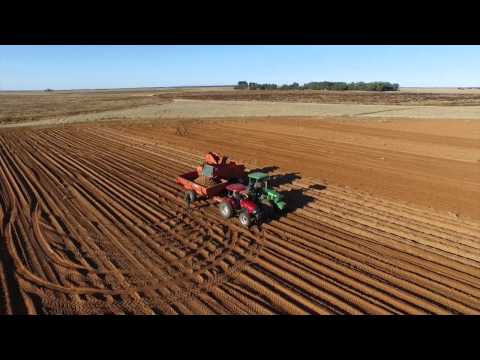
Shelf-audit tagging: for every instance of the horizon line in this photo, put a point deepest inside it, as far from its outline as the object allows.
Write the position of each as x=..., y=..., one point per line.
x=206, y=86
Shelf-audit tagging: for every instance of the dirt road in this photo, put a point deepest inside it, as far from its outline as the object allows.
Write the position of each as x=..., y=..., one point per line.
x=92, y=222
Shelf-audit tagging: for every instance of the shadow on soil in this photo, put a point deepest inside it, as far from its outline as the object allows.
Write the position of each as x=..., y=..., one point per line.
x=317, y=187
x=295, y=198
x=266, y=169
x=278, y=180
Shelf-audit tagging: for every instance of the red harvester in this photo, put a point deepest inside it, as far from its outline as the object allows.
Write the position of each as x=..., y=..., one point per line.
x=211, y=177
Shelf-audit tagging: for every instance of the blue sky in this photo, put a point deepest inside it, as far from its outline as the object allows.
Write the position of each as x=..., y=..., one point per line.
x=80, y=67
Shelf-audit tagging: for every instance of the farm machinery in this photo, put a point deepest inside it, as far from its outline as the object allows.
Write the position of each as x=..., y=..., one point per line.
x=259, y=187
x=221, y=180
x=237, y=201
x=210, y=178
x=217, y=166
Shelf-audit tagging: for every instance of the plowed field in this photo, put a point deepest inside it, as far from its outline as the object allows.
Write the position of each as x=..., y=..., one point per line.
x=451, y=97
x=92, y=222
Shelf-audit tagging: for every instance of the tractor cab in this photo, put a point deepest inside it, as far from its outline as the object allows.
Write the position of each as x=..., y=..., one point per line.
x=260, y=190
x=237, y=201
x=237, y=192
x=258, y=181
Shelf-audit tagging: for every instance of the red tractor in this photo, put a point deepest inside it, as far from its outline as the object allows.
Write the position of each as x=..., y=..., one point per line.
x=237, y=202
x=216, y=178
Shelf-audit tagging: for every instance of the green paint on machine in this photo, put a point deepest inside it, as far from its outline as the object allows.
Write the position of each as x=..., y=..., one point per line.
x=258, y=184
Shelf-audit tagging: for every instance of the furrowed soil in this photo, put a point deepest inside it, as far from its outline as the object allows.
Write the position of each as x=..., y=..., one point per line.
x=407, y=97
x=211, y=109
x=383, y=219
x=18, y=108
x=29, y=108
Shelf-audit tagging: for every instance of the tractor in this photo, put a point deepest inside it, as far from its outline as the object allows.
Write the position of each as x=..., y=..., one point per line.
x=237, y=202
x=258, y=186
x=223, y=181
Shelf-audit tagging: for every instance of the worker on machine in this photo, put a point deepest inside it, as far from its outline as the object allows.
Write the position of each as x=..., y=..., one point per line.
x=255, y=189
x=236, y=196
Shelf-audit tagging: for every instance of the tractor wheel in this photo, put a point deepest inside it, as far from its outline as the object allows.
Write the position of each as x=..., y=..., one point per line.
x=245, y=219
x=268, y=209
x=190, y=197
x=225, y=210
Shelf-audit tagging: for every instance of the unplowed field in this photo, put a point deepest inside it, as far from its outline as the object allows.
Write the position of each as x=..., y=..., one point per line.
x=92, y=222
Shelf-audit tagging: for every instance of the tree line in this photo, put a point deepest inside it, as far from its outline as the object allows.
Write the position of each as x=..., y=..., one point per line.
x=322, y=85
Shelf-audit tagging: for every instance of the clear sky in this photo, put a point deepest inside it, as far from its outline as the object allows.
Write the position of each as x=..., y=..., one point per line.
x=100, y=66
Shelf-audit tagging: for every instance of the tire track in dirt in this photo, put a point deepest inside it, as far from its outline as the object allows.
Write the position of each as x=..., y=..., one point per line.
x=110, y=184
x=97, y=225
x=401, y=174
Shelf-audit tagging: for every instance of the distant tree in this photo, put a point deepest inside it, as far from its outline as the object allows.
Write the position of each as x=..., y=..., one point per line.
x=359, y=86
x=325, y=85
x=339, y=86
x=242, y=85
x=293, y=86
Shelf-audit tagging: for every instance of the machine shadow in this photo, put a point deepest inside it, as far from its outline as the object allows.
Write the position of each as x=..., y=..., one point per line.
x=295, y=198
x=277, y=180
x=317, y=187
x=266, y=169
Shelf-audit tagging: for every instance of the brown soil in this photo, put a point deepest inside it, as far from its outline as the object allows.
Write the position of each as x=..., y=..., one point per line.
x=335, y=97
x=22, y=107
x=438, y=171
x=92, y=221
x=64, y=107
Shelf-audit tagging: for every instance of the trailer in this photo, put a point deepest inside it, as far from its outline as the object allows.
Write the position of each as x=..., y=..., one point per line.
x=198, y=186
x=211, y=178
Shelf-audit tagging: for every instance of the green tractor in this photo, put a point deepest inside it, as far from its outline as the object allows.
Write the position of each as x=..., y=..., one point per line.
x=258, y=186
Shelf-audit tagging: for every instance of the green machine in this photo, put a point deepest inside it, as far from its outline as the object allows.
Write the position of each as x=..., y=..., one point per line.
x=258, y=186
